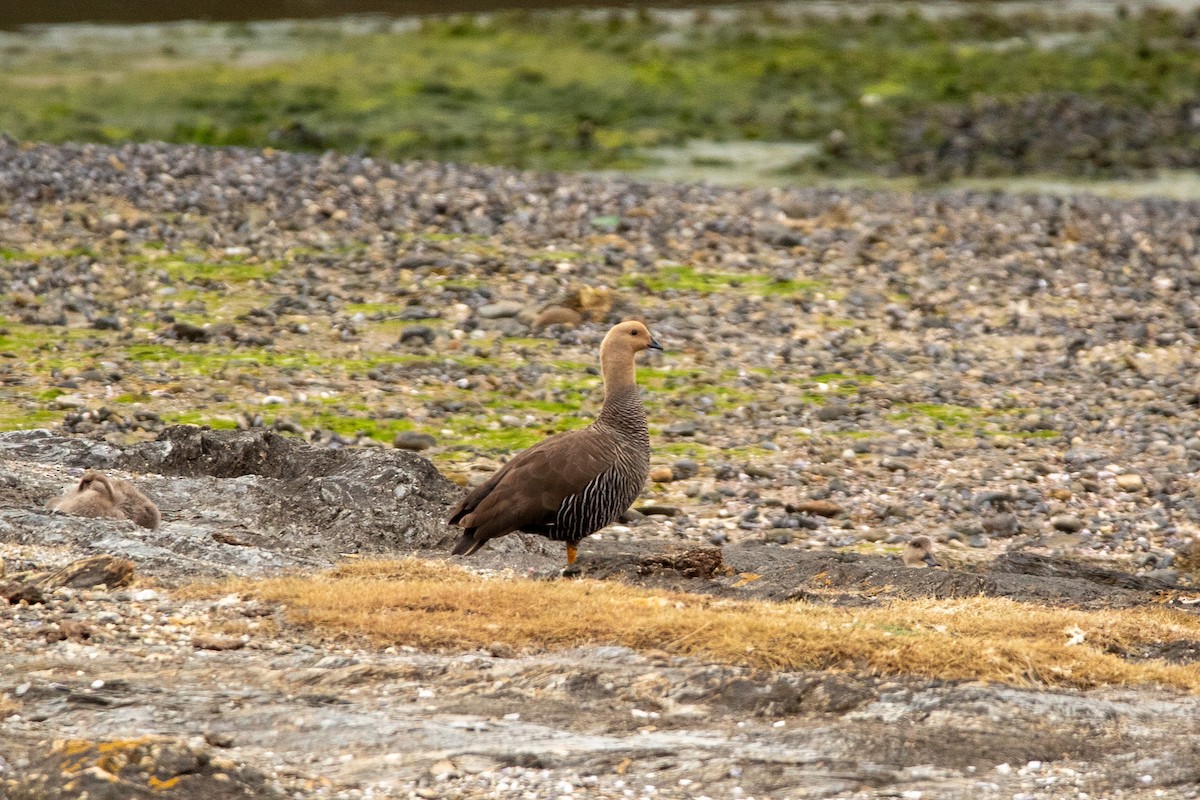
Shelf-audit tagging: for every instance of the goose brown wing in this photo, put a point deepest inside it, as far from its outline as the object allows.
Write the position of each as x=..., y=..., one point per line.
x=528, y=490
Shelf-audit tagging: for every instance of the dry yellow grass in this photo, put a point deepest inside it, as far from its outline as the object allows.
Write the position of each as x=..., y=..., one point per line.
x=435, y=605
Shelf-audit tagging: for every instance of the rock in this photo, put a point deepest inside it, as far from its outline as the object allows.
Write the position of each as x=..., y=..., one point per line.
x=216, y=641
x=684, y=428
x=218, y=738
x=700, y=562
x=108, y=322
x=126, y=768
x=662, y=474
x=833, y=411
x=187, y=332
x=1068, y=523
x=1002, y=525
x=95, y=571
x=500, y=310
x=68, y=401
x=413, y=440
x=821, y=508
x=1130, y=482
x=17, y=592
x=418, y=333
x=755, y=470
x=419, y=312
x=659, y=511
x=1081, y=455
x=684, y=469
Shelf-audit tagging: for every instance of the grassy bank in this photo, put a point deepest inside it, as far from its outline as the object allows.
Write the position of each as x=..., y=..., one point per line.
x=431, y=605
x=978, y=93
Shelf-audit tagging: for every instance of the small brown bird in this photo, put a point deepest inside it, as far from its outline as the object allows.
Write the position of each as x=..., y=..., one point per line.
x=919, y=553
x=93, y=497
x=98, y=495
x=574, y=483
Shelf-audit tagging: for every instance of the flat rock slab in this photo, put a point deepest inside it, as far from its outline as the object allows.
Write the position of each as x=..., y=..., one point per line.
x=241, y=502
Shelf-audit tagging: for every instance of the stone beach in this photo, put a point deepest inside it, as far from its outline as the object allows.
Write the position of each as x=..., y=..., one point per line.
x=1011, y=375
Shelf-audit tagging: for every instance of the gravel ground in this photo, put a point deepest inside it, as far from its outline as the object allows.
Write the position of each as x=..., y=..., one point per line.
x=1004, y=373
x=993, y=370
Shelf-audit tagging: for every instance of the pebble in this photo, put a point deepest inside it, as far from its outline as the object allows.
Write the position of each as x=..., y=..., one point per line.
x=662, y=474
x=413, y=440
x=1130, y=482
x=1068, y=523
x=500, y=310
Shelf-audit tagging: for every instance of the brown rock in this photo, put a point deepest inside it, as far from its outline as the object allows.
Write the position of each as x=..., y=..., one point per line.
x=217, y=641
x=699, y=562
x=88, y=572
x=821, y=508
x=662, y=474
x=15, y=592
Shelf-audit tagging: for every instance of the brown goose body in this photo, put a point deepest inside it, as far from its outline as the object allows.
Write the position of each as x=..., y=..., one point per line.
x=135, y=505
x=93, y=497
x=572, y=484
x=98, y=495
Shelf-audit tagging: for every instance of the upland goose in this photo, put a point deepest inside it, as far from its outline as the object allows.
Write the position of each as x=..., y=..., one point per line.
x=574, y=483
x=98, y=495
x=919, y=553
x=133, y=504
x=93, y=497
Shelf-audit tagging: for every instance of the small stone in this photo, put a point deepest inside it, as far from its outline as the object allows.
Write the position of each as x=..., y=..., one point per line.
x=662, y=474
x=1068, y=523
x=832, y=411
x=821, y=508
x=216, y=641
x=418, y=333
x=1131, y=482
x=501, y=650
x=659, y=511
x=218, y=739
x=15, y=592
x=1081, y=455
x=145, y=595
x=684, y=469
x=107, y=323
x=500, y=310
x=187, y=332
x=413, y=440
x=1002, y=525
x=685, y=428
x=68, y=401
x=758, y=471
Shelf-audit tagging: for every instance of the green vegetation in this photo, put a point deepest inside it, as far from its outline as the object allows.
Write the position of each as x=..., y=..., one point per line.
x=570, y=90
x=689, y=279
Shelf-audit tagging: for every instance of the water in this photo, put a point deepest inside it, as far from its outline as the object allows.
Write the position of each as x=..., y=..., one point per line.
x=16, y=13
